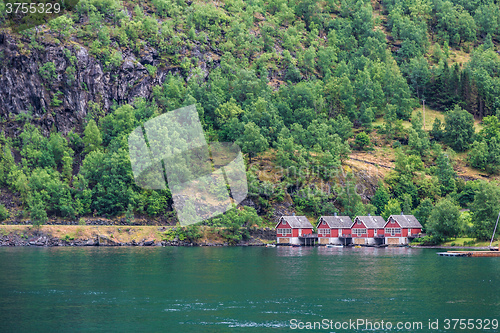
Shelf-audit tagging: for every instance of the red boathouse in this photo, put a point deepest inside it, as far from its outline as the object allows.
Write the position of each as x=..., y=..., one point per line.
x=368, y=230
x=400, y=229
x=295, y=230
x=334, y=230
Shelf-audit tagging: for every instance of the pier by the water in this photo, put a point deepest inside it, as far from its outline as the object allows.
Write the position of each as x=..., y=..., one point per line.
x=470, y=254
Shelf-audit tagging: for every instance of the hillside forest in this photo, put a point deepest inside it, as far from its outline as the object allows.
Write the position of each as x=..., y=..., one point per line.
x=314, y=93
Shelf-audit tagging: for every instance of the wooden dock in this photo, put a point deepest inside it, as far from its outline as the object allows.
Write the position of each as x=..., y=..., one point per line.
x=470, y=254
x=451, y=254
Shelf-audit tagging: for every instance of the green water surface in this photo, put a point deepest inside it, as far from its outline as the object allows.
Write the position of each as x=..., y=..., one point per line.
x=240, y=289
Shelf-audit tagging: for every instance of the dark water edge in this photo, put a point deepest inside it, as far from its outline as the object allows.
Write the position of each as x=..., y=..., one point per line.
x=238, y=289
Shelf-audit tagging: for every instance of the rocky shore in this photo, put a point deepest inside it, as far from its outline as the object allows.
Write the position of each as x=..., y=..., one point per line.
x=16, y=240
x=47, y=241
x=47, y=236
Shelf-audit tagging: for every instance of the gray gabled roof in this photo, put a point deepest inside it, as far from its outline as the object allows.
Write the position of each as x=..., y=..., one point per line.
x=336, y=221
x=371, y=222
x=296, y=222
x=406, y=221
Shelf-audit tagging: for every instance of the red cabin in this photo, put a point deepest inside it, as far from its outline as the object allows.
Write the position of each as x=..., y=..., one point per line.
x=400, y=228
x=334, y=229
x=368, y=230
x=293, y=230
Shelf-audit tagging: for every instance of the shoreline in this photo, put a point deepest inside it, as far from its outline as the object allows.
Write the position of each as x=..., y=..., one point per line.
x=98, y=235
x=85, y=235
x=449, y=247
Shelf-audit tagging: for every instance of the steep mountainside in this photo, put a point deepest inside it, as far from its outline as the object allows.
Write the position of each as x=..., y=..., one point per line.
x=298, y=85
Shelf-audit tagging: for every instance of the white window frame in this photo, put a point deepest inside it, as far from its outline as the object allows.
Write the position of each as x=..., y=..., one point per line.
x=393, y=231
x=359, y=231
x=284, y=231
x=324, y=231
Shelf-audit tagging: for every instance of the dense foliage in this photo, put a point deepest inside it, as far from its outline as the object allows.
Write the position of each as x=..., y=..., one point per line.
x=304, y=82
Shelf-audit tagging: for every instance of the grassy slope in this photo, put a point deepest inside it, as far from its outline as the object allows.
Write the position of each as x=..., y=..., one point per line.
x=460, y=242
x=386, y=152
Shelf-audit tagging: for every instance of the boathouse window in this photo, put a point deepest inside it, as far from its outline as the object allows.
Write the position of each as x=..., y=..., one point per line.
x=393, y=231
x=324, y=231
x=285, y=231
x=359, y=231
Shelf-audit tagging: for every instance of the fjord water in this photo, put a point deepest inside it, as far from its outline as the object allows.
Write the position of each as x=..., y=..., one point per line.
x=240, y=289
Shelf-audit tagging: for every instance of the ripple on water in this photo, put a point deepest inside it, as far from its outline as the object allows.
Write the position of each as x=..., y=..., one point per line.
x=233, y=323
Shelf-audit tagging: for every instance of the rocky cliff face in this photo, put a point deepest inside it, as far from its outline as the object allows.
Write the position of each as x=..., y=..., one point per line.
x=24, y=90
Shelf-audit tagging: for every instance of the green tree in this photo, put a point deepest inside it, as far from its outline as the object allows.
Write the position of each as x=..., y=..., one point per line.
x=493, y=157
x=407, y=204
x=366, y=117
x=445, y=173
x=491, y=128
x=48, y=72
x=109, y=176
x=118, y=124
x=362, y=140
x=444, y=221
x=423, y=211
x=350, y=199
x=415, y=144
x=288, y=152
x=393, y=207
x=418, y=139
x=467, y=192
x=487, y=17
x=380, y=198
x=129, y=214
x=419, y=75
x=57, y=146
x=4, y=213
x=390, y=118
x=6, y=163
x=67, y=165
x=478, y=155
x=37, y=212
x=227, y=111
x=252, y=142
x=437, y=53
x=156, y=203
x=92, y=137
x=459, y=129
x=437, y=129
x=485, y=209
x=63, y=25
